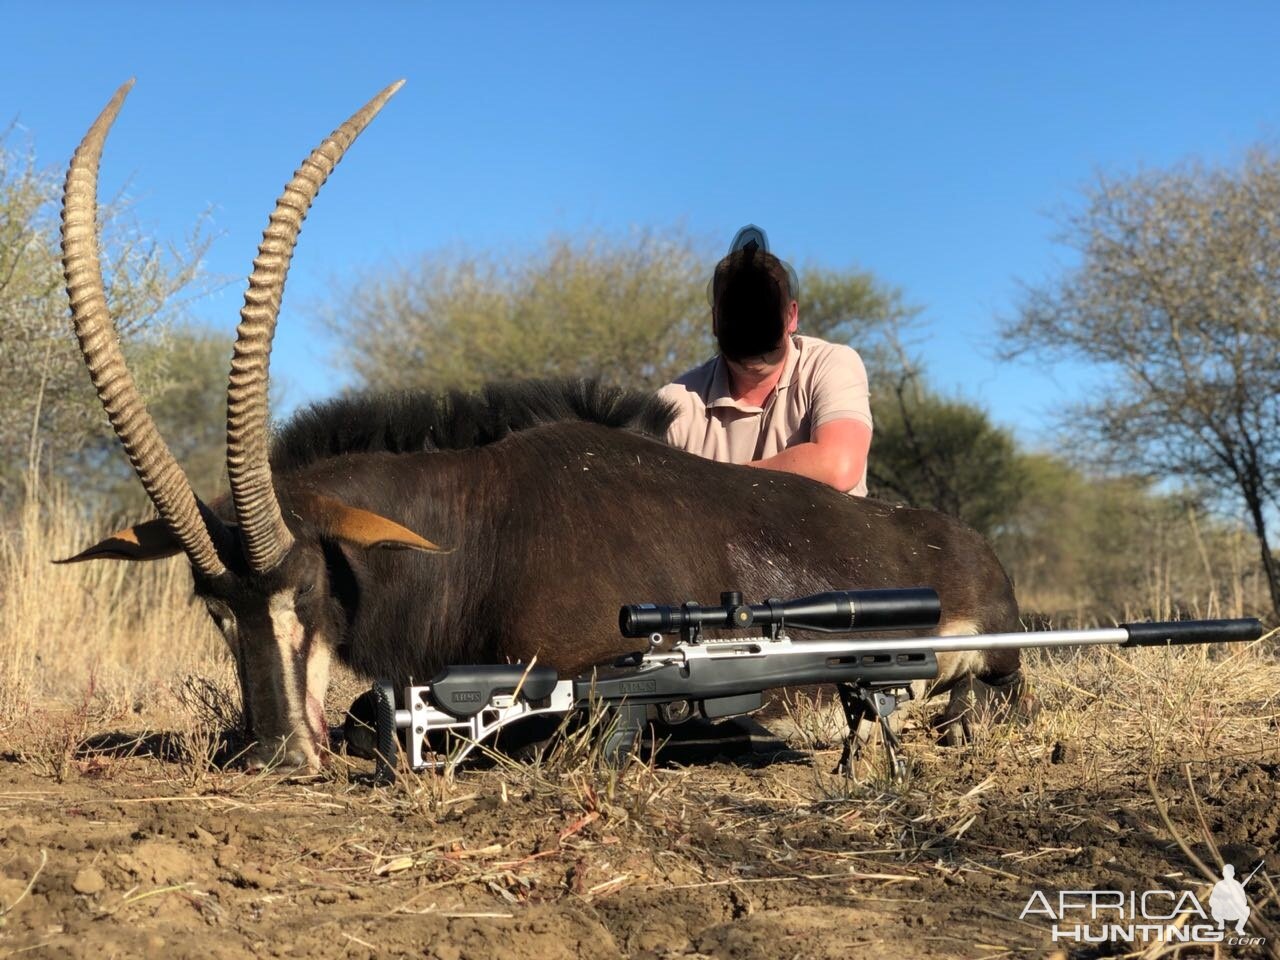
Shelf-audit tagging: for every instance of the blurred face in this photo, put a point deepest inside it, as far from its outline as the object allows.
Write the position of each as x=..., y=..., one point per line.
x=752, y=307
x=763, y=365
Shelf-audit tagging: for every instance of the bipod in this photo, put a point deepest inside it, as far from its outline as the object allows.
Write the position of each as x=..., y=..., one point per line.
x=866, y=703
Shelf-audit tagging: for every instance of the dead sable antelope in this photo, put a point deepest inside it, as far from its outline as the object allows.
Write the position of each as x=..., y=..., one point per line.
x=552, y=504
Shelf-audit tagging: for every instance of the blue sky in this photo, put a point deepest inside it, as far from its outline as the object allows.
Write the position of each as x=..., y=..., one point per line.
x=926, y=142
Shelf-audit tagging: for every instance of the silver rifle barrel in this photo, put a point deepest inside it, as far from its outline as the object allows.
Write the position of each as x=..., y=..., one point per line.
x=723, y=648
x=1111, y=636
x=1175, y=633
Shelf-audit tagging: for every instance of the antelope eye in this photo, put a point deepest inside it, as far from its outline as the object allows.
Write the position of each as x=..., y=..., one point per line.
x=222, y=615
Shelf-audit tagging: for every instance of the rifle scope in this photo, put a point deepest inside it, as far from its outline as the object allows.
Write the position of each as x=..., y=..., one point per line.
x=839, y=611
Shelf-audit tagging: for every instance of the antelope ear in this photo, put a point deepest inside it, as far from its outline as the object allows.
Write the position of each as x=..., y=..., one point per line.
x=362, y=527
x=152, y=540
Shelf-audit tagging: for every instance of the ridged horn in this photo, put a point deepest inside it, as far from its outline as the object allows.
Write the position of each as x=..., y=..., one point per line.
x=163, y=479
x=266, y=538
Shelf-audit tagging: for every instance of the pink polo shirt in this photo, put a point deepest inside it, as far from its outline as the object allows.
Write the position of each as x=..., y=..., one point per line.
x=820, y=382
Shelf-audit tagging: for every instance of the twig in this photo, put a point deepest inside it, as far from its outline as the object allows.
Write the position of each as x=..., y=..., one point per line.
x=607, y=887
x=1173, y=831
x=1204, y=826
x=885, y=877
x=1236, y=654
x=478, y=916
x=363, y=943
x=14, y=953
x=44, y=858
x=154, y=893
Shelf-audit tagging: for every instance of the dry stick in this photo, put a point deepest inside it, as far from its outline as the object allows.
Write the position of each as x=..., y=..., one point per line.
x=33, y=448
x=1241, y=651
x=44, y=858
x=478, y=916
x=885, y=878
x=154, y=893
x=1160, y=946
x=363, y=943
x=1204, y=825
x=1204, y=558
x=14, y=953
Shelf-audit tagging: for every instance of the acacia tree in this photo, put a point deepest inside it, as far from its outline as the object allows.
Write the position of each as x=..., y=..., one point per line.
x=631, y=310
x=47, y=409
x=1177, y=297
x=853, y=306
x=944, y=454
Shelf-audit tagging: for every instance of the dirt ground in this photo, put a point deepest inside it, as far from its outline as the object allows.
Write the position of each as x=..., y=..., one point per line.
x=116, y=840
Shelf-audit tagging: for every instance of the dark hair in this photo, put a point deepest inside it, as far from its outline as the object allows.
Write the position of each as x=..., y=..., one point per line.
x=752, y=291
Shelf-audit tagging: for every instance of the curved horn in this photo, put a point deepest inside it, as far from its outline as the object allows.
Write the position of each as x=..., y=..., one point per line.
x=266, y=538
x=165, y=483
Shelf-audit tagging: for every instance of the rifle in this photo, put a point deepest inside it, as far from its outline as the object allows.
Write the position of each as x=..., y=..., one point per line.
x=716, y=676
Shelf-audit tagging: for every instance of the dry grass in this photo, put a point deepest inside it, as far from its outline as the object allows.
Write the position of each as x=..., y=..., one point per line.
x=1159, y=704
x=128, y=628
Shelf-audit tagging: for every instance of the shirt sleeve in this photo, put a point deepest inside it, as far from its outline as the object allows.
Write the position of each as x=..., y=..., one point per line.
x=839, y=389
x=677, y=395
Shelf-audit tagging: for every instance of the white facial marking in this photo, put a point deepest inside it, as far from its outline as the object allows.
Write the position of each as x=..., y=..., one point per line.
x=285, y=624
x=290, y=638
x=317, y=686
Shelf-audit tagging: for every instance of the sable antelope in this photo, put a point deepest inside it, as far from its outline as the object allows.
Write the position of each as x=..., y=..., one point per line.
x=554, y=503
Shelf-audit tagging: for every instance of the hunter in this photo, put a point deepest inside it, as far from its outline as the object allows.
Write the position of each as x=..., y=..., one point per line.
x=772, y=398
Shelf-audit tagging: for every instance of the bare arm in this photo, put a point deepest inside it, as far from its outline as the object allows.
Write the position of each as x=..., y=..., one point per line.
x=836, y=455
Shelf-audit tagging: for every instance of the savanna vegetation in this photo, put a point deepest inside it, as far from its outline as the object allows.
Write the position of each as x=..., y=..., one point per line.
x=1161, y=507
x=121, y=835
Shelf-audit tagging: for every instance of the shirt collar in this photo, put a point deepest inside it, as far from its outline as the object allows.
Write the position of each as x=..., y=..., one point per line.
x=719, y=395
